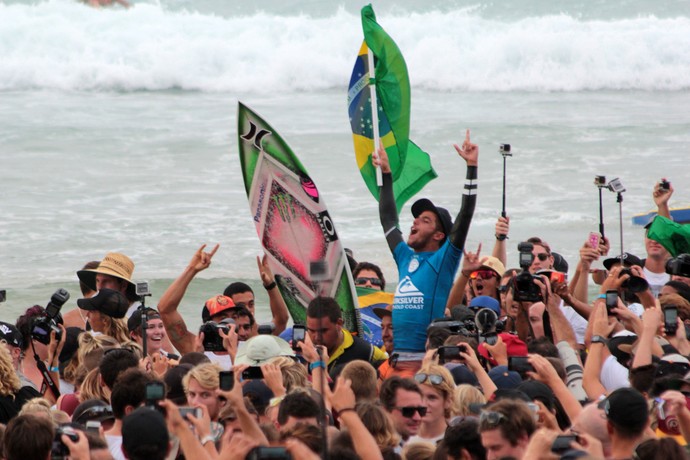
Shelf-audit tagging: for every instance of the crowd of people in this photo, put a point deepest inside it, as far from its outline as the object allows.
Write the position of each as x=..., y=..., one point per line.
x=476, y=361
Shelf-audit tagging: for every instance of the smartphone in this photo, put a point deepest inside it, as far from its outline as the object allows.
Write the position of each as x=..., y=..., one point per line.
x=93, y=427
x=611, y=301
x=227, y=380
x=252, y=373
x=562, y=443
x=195, y=411
x=265, y=453
x=155, y=391
x=670, y=320
x=557, y=277
x=298, y=335
x=447, y=353
x=594, y=240
x=519, y=364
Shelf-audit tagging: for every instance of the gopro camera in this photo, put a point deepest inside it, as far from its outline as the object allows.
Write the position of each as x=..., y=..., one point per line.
x=504, y=149
x=600, y=181
x=143, y=289
x=616, y=186
x=664, y=185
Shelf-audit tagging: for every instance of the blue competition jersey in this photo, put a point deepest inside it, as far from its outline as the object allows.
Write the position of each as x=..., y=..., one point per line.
x=425, y=282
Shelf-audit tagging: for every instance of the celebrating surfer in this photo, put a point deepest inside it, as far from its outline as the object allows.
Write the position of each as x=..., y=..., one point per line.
x=427, y=262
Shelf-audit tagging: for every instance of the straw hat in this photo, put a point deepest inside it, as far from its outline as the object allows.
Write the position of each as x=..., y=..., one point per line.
x=113, y=264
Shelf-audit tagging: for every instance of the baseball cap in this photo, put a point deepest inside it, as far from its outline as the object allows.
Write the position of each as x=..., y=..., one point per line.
x=134, y=321
x=514, y=347
x=92, y=410
x=144, y=429
x=626, y=407
x=504, y=378
x=628, y=260
x=485, y=301
x=215, y=305
x=494, y=264
x=381, y=312
x=461, y=374
x=10, y=334
x=261, y=348
x=559, y=263
x=443, y=215
x=107, y=301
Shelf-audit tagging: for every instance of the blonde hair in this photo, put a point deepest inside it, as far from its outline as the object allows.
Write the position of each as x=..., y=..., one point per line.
x=9, y=383
x=92, y=347
x=379, y=424
x=446, y=387
x=116, y=328
x=418, y=451
x=464, y=396
x=294, y=374
x=38, y=407
x=205, y=374
x=91, y=387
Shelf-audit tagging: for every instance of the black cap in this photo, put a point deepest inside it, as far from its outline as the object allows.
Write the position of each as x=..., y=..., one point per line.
x=559, y=263
x=628, y=260
x=107, y=301
x=134, y=321
x=443, y=215
x=627, y=408
x=10, y=334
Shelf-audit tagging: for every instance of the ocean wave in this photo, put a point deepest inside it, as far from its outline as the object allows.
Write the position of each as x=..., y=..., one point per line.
x=60, y=44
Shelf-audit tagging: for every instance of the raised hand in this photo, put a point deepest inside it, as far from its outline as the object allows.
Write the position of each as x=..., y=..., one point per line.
x=202, y=260
x=469, y=151
x=380, y=159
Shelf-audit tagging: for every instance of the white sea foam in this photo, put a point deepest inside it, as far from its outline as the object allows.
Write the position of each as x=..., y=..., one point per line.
x=61, y=44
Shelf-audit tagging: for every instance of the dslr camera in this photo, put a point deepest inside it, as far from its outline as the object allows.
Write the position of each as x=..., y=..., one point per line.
x=524, y=289
x=488, y=326
x=59, y=450
x=679, y=266
x=212, y=339
x=44, y=324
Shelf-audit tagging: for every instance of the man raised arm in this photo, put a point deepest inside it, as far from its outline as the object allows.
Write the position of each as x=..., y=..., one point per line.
x=427, y=262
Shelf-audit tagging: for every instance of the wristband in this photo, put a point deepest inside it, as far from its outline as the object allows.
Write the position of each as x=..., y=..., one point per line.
x=501, y=237
x=207, y=438
x=54, y=369
x=347, y=409
x=268, y=287
x=316, y=364
x=601, y=296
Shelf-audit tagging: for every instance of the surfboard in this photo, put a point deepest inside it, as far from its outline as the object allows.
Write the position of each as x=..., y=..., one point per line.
x=293, y=223
x=680, y=215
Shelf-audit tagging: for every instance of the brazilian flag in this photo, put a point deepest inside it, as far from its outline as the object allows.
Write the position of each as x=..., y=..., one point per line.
x=410, y=166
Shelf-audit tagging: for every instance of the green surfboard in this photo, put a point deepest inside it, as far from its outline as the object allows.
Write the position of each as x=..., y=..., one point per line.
x=293, y=224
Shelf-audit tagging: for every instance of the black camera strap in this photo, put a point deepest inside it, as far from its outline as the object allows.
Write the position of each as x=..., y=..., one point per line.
x=48, y=381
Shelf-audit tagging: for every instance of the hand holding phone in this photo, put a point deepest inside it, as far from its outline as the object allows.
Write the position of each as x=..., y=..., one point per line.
x=671, y=320
x=252, y=373
x=519, y=364
x=611, y=301
x=594, y=240
x=298, y=335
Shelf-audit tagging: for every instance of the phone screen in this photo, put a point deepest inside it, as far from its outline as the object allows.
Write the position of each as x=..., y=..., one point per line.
x=611, y=301
x=227, y=380
x=670, y=320
x=298, y=335
x=252, y=373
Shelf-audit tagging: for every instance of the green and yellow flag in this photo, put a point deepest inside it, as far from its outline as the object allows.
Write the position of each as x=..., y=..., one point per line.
x=410, y=166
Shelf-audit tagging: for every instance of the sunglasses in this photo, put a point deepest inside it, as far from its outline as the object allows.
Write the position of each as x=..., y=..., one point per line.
x=94, y=413
x=408, y=411
x=542, y=256
x=483, y=274
x=491, y=418
x=373, y=281
x=435, y=379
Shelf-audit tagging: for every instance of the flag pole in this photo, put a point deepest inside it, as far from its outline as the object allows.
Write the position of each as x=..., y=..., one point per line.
x=374, y=111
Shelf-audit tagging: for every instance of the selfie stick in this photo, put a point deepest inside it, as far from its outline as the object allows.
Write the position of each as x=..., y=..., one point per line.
x=505, y=152
x=619, y=200
x=144, y=320
x=600, y=186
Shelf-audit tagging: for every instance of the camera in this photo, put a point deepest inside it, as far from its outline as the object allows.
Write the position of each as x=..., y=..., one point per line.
x=679, y=266
x=524, y=289
x=634, y=283
x=504, y=148
x=265, y=329
x=44, y=324
x=466, y=328
x=488, y=326
x=59, y=449
x=616, y=186
x=664, y=185
x=142, y=289
x=212, y=339
x=600, y=181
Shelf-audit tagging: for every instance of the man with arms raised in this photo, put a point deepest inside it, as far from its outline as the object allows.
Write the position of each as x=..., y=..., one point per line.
x=428, y=261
